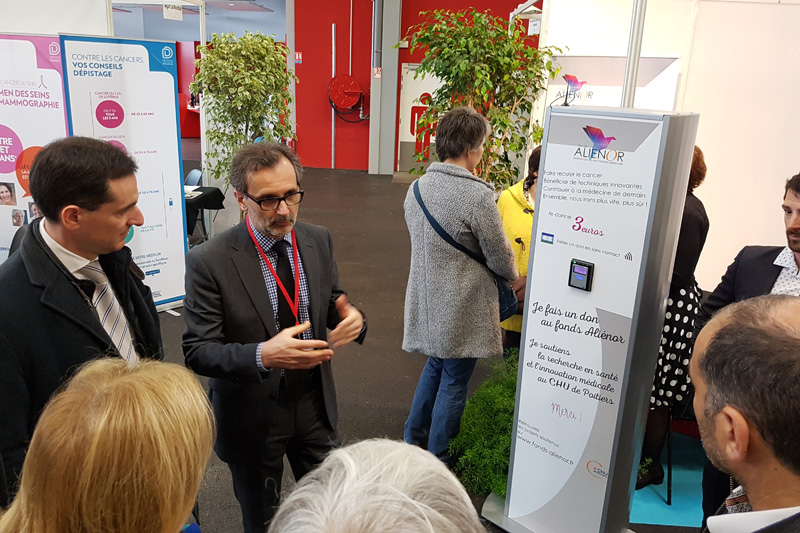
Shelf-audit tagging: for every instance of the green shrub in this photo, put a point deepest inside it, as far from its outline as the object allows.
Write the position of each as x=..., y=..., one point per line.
x=483, y=445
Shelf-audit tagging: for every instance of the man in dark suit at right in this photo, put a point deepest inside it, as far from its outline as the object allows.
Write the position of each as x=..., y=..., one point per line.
x=757, y=270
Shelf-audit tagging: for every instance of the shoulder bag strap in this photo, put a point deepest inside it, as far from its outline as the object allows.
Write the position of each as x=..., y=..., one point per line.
x=442, y=233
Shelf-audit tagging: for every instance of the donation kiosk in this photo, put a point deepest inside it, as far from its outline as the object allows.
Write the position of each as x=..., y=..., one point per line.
x=612, y=184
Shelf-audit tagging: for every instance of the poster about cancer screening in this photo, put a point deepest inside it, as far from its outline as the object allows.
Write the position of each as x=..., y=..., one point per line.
x=32, y=113
x=125, y=92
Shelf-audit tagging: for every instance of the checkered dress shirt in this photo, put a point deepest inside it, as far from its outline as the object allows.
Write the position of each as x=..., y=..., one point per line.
x=266, y=243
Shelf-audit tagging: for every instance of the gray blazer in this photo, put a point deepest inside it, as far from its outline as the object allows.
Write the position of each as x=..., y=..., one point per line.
x=228, y=312
x=452, y=308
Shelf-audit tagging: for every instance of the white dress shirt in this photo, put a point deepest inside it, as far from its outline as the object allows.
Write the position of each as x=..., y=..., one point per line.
x=73, y=263
x=788, y=281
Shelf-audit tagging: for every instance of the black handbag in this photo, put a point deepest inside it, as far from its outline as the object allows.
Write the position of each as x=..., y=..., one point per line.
x=506, y=295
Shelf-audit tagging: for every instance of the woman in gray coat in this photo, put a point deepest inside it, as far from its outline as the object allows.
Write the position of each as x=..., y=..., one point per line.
x=452, y=310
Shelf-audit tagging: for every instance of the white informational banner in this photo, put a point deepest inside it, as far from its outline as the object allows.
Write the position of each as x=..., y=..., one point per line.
x=125, y=92
x=32, y=113
x=601, y=241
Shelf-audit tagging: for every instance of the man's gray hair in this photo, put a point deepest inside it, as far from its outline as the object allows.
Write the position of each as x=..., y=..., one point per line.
x=378, y=485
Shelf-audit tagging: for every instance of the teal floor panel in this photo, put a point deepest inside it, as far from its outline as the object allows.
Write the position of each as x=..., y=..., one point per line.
x=650, y=503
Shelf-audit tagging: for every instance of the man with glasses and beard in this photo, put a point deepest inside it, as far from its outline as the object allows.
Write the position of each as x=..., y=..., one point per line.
x=259, y=300
x=745, y=369
x=757, y=270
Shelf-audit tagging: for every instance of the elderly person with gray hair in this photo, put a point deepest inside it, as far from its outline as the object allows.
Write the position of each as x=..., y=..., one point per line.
x=375, y=486
x=451, y=308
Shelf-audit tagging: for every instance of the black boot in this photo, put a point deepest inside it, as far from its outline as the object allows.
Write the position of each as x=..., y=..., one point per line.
x=655, y=435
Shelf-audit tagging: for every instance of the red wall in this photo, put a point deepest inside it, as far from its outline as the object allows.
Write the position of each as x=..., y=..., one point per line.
x=313, y=19
x=186, y=52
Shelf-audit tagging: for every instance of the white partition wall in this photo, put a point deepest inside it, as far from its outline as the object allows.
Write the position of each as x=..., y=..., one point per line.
x=588, y=27
x=742, y=78
x=739, y=63
x=51, y=17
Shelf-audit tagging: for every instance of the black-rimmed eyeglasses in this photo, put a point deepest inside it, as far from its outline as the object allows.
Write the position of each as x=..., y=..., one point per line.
x=272, y=203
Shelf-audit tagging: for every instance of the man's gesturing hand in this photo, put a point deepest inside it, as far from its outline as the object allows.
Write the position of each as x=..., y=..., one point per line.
x=285, y=351
x=352, y=321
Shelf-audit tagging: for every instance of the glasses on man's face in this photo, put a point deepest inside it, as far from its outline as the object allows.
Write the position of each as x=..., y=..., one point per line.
x=272, y=203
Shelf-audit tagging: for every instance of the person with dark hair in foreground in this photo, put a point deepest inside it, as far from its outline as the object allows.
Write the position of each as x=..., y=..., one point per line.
x=746, y=368
x=376, y=486
x=121, y=449
x=71, y=293
x=260, y=298
x=757, y=270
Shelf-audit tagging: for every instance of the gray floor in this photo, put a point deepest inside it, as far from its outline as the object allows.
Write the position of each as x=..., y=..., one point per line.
x=375, y=382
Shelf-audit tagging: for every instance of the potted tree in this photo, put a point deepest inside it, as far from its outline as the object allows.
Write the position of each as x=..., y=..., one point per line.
x=492, y=67
x=244, y=85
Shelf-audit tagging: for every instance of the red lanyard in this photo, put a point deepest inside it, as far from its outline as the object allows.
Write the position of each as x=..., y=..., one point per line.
x=294, y=305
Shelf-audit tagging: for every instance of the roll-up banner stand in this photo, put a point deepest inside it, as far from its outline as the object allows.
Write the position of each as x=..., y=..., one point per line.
x=32, y=113
x=612, y=184
x=126, y=92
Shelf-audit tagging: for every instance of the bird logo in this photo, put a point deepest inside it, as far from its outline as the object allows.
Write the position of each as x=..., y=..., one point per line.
x=599, y=141
x=572, y=83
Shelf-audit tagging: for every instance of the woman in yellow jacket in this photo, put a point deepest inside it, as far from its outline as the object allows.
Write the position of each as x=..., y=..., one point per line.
x=516, y=211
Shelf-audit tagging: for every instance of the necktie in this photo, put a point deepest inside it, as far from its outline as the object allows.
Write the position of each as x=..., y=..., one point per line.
x=296, y=380
x=109, y=311
x=286, y=318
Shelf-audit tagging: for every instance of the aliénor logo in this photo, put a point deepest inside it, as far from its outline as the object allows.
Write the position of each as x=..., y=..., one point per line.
x=573, y=83
x=574, y=88
x=599, y=149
